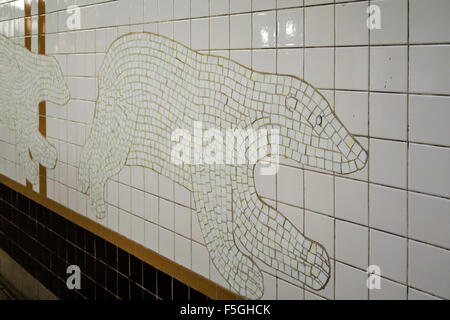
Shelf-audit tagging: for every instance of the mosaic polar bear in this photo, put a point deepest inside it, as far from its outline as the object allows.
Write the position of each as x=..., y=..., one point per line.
x=150, y=85
x=26, y=79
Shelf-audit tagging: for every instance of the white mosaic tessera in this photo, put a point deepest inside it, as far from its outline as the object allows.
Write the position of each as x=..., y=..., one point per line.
x=26, y=79
x=150, y=86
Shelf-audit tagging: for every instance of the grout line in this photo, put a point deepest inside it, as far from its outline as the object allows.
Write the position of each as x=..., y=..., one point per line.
x=368, y=148
x=27, y=38
x=278, y=279
x=303, y=171
x=334, y=175
x=362, y=46
x=407, y=151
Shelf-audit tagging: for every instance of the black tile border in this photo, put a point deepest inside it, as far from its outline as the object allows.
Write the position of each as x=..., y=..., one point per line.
x=45, y=244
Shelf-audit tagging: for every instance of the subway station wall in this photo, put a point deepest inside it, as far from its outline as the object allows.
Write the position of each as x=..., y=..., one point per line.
x=388, y=85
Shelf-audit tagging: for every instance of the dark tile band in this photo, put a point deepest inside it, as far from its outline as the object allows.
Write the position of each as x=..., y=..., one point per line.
x=45, y=244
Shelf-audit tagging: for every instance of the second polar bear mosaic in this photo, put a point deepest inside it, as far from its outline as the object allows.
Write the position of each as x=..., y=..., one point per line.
x=150, y=85
x=27, y=78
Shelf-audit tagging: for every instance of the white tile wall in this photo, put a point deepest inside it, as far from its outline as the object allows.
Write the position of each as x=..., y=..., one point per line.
x=427, y=119
x=351, y=28
x=394, y=95
x=429, y=72
x=394, y=22
x=388, y=209
x=352, y=244
x=429, y=219
x=428, y=269
x=429, y=25
x=389, y=252
x=350, y=283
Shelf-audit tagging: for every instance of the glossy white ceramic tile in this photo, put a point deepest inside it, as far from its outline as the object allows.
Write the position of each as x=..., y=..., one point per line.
x=427, y=119
x=429, y=21
x=183, y=251
x=319, y=26
x=290, y=61
x=319, y=190
x=320, y=227
x=429, y=219
x=352, y=107
x=389, y=69
x=181, y=9
x=319, y=63
x=287, y=291
x=241, y=31
x=394, y=23
x=414, y=294
x=290, y=28
x=350, y=283
x=357, y=60
x=264, y=29
x=237, y=6
x=351, y=23
x=390, y=290
x=199, y=8
x=352, y=244
x=428, y=169
x=290, y=186
x=356, y=209
x=429, y=69
x=388, y=116
x=289, y=3
x=389, y=252
x=388, y=209
x=258, y=5
x=392, y=172
x=428, y=269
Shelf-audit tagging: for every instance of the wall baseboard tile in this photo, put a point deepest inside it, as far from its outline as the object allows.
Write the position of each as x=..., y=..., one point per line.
x=46, y=237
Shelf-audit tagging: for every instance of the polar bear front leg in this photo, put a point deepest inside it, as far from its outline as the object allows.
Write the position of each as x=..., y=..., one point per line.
x=273, y=239
x=101, y=162
x=106, y=151
x=30, y=166
x=213, y=199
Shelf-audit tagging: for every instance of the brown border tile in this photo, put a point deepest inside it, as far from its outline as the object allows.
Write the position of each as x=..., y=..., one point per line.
x=27, y=30
x=42, y=105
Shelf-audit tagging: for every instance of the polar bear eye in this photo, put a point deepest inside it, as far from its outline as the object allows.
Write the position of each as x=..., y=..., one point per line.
x=319, y=120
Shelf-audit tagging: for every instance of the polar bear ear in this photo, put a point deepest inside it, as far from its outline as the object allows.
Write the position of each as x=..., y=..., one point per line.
x=291, y=102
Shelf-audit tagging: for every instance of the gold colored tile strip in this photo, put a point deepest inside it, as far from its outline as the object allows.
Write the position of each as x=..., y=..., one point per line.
x=188, y=277
x=27, y=21
x=42, y=105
